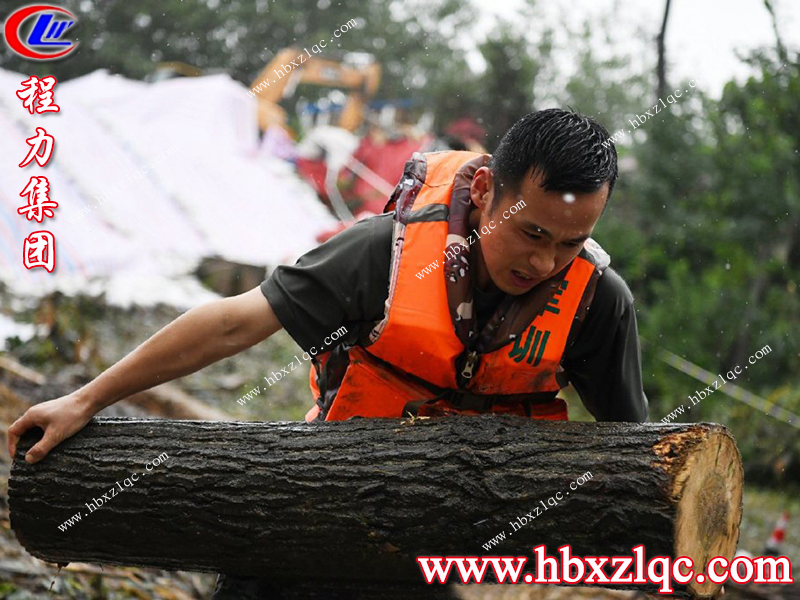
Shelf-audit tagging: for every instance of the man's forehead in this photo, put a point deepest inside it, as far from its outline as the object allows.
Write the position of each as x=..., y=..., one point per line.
x=560, y=213
x=532, y=190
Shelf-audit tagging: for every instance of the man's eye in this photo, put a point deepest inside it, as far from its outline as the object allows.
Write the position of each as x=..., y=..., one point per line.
x=533, y=236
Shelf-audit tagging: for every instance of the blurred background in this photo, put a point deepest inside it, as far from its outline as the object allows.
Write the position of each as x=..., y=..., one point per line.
x=179, y=180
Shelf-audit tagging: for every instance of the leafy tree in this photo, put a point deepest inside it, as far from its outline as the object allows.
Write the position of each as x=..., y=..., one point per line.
x=507, y=85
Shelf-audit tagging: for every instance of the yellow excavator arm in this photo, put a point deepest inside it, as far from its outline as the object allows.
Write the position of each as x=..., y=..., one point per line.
x=283, y=77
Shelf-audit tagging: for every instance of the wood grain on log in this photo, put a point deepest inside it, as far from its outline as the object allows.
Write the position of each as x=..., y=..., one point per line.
x=360, y=500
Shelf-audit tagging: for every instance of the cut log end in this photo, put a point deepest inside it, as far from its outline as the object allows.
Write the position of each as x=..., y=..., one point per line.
x=708, y=491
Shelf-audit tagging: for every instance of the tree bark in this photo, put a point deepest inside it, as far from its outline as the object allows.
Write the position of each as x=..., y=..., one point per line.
x=661, y=68
x=781, y=48
x=358, y=501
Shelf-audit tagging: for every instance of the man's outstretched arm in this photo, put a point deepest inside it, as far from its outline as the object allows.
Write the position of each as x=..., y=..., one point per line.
x=199, y=337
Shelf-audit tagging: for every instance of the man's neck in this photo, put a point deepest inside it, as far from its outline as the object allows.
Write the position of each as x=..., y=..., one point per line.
x=481, y=279
x=478, y=265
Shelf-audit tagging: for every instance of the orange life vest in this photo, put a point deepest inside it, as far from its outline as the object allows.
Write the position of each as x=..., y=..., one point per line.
x=408, y=363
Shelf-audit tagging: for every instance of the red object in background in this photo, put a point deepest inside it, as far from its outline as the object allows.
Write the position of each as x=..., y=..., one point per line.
x=774, y=545
x=313, y=171
x=466, y=129
x=387, y=160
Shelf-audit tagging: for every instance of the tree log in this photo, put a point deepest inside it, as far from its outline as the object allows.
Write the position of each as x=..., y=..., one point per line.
x=358, y=501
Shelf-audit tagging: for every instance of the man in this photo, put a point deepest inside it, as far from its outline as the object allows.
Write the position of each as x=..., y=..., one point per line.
x=524, y=303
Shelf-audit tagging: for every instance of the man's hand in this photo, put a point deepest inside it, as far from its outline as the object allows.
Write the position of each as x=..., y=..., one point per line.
x=197, y=338
x=60, y=419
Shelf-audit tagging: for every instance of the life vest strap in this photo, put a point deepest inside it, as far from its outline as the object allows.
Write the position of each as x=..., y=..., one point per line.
x=466, y=400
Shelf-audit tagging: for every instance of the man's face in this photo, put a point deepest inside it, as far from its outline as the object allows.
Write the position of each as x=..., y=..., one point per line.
x=535, y=242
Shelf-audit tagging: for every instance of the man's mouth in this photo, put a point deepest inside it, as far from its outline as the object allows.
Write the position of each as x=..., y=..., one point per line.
x=523, y=280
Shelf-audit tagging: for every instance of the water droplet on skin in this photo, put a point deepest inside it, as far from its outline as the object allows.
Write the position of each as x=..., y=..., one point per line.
x=569, y=198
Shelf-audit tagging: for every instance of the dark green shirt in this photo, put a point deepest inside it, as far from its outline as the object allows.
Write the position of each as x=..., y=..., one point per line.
x=345, y=281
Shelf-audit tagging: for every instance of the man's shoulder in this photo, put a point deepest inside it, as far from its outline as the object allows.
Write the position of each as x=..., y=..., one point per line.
x=368, y=239
x=611, y=310
x=382, y=220
x=377, y=228
x=612, y=292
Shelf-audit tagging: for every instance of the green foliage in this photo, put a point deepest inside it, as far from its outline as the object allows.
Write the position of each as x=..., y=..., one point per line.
x=507, y=86
x=705, y=226
x=6, y=587
x=604, y=88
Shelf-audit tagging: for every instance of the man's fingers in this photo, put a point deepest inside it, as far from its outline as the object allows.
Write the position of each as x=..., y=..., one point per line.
x=40, y=450
x=11, y=443
x=16, y=430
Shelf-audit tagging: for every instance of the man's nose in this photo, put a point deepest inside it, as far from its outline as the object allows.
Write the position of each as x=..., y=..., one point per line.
x=542, y=263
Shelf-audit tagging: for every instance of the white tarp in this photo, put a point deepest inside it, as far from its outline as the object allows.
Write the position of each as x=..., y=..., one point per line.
x=149, y=178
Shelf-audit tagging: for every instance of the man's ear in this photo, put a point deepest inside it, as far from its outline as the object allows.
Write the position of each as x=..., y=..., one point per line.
x=482, y=188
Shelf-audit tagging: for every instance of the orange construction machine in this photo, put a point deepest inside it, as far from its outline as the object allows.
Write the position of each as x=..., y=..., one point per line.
x=276, y=82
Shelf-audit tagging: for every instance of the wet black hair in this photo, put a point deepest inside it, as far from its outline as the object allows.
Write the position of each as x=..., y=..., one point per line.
x=574, y=153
